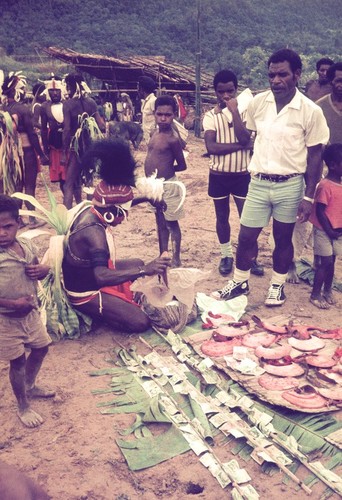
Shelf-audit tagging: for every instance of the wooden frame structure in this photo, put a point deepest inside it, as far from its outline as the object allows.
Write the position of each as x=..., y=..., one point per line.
x=123, y=73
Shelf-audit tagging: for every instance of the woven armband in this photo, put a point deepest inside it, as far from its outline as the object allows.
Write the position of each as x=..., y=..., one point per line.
x=99, y=258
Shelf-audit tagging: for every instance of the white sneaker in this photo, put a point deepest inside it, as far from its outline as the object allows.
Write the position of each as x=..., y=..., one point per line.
x=275, y=296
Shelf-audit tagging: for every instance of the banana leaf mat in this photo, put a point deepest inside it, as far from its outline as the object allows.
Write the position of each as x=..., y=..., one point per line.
x=250, y=382
x=315, y=434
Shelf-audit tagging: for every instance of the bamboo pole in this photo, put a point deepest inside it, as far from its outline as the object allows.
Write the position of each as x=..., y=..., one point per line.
x=197, y=125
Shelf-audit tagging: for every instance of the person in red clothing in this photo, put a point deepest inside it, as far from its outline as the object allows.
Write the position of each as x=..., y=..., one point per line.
x=326, y=218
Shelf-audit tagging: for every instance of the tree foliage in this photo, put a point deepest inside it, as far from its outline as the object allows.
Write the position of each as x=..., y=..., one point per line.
x=239, y=34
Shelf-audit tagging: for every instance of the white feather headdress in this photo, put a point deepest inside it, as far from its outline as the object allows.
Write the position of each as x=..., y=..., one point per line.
x=14, y=81
x=54, y=83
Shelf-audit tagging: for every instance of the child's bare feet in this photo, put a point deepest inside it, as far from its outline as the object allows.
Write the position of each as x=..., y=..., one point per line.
x=39, y=392
x=30, y=418
x=319, y=302
x=329, y=297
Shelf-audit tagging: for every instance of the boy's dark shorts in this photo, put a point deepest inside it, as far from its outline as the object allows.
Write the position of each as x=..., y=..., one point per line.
x=223, y=185
x=16, y=334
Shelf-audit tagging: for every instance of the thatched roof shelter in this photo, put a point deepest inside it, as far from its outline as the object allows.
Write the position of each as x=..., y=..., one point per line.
x=123, y=73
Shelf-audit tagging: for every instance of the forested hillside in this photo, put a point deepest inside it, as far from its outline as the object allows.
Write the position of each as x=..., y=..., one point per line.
x=235, y=33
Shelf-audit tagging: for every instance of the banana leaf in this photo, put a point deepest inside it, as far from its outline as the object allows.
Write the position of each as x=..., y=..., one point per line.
x=61, y=318
x=11, y=173
x=88, y=131
x=309, y=431
x=56, y=216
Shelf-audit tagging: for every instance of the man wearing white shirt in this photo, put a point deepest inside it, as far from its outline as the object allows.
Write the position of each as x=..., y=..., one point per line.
x=285, y=168
x=229, y=145
x=146, y=87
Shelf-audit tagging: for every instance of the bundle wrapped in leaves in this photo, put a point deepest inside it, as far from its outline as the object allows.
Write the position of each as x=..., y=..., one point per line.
x=173, y=316
x=61, y=318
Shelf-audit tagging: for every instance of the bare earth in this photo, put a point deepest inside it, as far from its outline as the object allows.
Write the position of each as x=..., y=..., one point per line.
x=73, y=455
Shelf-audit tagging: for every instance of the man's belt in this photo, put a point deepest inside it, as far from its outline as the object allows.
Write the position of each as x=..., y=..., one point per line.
x=275, y=178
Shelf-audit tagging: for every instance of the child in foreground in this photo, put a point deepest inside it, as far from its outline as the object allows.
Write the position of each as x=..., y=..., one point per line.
x=20, y=323
x=165, y=154
x=326, y=218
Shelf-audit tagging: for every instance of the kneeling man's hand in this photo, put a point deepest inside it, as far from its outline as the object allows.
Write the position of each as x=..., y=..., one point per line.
x=157, y=266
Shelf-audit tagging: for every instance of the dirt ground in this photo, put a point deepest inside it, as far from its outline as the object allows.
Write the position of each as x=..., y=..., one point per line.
x=74, y=454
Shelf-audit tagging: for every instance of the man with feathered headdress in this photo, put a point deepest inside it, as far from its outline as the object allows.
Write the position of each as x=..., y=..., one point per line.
x=97, y=283
x=11, y=170
x=82, y=124
x=52, y=121
x=13, y=90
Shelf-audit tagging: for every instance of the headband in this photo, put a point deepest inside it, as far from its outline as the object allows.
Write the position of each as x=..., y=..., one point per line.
x=107, y=196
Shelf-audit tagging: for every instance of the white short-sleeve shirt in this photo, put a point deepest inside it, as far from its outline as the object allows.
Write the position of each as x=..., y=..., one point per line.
x=283, y=138
x=147, y=110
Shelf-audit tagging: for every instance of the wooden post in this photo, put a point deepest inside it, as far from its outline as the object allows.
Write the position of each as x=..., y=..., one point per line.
x=197, y=125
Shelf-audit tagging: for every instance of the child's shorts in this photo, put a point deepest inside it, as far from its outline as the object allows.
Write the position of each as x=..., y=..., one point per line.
x=172, y=196
x=16, y=334
x=324, y=246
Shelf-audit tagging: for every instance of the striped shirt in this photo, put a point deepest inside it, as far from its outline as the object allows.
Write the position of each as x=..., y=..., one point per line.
x=222, y=124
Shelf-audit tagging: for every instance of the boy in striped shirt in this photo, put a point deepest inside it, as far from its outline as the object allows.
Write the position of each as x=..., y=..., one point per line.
x=229, y=145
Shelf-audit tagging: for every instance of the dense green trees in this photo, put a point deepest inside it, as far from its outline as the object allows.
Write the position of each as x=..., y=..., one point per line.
x=234, y=33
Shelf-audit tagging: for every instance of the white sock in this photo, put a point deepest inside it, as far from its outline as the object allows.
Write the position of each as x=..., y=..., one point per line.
x=226, y=249
x=240, y=276
x=278, y=279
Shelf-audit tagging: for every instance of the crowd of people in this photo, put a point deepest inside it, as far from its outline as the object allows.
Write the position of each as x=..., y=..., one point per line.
x=268, y=154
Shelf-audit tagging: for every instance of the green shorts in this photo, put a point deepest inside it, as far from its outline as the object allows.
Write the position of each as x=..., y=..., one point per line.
x=16, y=334
x=266, y=199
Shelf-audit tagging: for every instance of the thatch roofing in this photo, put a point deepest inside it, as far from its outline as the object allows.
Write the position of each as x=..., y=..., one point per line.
x=123, y=74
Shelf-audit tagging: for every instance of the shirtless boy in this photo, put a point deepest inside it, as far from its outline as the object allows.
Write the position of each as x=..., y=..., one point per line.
x=20, y=323
x=165, y=154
